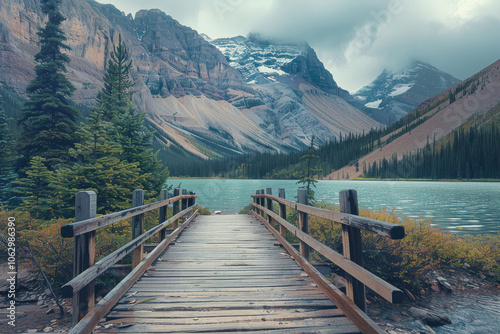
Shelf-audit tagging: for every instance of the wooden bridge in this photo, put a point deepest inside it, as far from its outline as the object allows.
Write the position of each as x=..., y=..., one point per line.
x=225, y=273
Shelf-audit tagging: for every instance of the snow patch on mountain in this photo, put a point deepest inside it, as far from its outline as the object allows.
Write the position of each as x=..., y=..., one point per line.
x=374, y=104
x=400, y=89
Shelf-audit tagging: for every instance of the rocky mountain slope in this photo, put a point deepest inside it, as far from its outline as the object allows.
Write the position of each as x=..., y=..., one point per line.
x=392, y=95
x=195, y=99
x=295, y=95
x=476, y=98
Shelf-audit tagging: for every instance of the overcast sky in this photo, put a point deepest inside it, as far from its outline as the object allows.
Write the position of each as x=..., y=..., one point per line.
x=355, y=39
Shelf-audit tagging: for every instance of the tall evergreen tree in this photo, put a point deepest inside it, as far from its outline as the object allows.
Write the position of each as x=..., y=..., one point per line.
x=49, y=119
x=115, y=101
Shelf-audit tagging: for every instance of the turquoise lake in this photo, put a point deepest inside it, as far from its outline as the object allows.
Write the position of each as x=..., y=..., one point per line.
x=460, y=207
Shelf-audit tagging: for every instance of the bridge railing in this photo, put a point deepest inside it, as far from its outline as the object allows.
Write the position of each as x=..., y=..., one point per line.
x=352, y=259
x=85, y=271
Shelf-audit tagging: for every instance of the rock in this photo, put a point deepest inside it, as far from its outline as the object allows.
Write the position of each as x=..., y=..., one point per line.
x=47, y=329
x=466, y=265
x=40, y=302
x=443, y=283
x=435, y=287
x=31, y=331
x=50, y=311
x=430, y=318
x=409, y=294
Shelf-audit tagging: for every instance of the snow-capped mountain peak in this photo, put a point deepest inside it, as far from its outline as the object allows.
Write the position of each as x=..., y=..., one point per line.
x=392, y=95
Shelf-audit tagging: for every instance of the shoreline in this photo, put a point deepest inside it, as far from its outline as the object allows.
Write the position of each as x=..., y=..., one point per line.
x=354, y=179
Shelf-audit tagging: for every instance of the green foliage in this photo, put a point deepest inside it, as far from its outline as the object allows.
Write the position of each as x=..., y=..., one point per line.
x=36, y=190
x=204, y=211
x=49, y=118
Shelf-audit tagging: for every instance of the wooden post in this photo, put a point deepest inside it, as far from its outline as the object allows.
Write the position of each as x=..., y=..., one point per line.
x=84, y=254
x=137, y=226
x=269, y=191
x=191, y=200
x=184, y=202
x=262, y=201
x=176, y=208
x=281, y=194
x=351, y=240
x=303, y=222
x=163, y=214
x=256, y=201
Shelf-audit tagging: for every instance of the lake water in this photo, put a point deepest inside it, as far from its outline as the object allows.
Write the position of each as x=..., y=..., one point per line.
x=461, y=207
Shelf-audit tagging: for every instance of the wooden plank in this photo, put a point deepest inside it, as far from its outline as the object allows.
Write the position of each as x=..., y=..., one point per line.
x=378, y=285
x=87, y=324
x=91, y=273
x=367, y=325
x=216, y=316
x=341, y=325
x=352, y=246
x=92, y=224
x=381, y=228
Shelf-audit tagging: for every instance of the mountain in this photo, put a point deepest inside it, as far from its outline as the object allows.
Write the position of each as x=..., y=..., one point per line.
x=392, y=95
x=197, y=101
x=474, y=101
x=297, y=97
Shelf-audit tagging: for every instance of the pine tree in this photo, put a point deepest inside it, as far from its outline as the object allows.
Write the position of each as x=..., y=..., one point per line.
x=36, y=190
x=99, y=168
x=310, y=171
x=115, y=100
x=49, y=119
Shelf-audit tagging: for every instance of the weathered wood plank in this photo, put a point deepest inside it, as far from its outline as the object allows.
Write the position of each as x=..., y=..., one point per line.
x=340, y=325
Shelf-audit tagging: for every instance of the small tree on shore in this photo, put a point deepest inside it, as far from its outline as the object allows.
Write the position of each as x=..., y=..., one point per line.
x=308, y=180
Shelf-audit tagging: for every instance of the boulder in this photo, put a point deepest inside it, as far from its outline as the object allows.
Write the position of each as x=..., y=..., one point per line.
x=429, y=317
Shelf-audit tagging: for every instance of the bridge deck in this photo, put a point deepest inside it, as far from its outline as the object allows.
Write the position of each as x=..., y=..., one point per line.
x=226, y=274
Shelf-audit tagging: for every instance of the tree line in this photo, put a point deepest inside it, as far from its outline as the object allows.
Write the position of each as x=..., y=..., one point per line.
x=472, y=153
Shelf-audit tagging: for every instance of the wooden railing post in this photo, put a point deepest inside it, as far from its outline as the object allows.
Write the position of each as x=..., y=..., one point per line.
x=176, y=208
x=84, y=254
x=256, y=201
x=137, y=226
x=191, y=201
x=163, y=214
x=303, y=222
x=351, y=240
x=281, y=194
x=184, y=202
x=269, y=191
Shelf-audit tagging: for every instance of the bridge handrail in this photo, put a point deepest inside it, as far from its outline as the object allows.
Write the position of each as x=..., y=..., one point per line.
x=92, y=224
x=384, y=229
x=83, y=230
x=91, y=273
x=91, y=319
x=378, y=285
x=352, y=224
